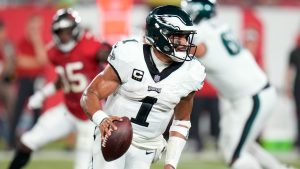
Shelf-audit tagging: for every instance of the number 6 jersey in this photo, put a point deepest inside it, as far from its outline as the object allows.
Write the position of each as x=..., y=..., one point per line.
x=225, y=58
x=146, y=95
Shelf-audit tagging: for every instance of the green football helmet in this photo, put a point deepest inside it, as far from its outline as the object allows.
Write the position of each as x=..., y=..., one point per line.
x=165, y=21
x=199, y=9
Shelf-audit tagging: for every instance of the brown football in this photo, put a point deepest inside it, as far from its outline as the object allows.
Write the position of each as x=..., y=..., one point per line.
x=119, y=141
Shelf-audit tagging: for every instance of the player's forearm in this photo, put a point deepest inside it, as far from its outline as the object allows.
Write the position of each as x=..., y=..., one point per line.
x=178, y=135
x=27, y=62
x=90, y=102
x=174, y=149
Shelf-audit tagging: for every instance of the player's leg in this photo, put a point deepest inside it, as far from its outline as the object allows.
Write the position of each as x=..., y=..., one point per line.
x=214, y=117
x=297, y=105
x=246, y=161
x=235, y=152
x=25, y=89
x=51, y=126
x=194, y=134
x=265, y=158
x=84, y=143
x=139, y=158
x=237, y=130
x=97, y=161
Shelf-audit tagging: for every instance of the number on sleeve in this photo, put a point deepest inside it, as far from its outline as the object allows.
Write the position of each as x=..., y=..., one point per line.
x=144, y=111
x=231, y=44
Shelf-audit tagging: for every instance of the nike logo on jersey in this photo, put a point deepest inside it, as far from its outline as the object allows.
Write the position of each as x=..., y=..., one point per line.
x=155, y=89
x=137, y=75
x=149, y=152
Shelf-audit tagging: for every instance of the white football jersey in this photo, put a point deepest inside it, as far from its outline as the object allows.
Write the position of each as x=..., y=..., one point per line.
x=229, y=67
x=146, y=96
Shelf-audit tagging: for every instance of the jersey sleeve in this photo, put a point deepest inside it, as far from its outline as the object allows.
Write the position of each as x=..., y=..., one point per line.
x=198, y=76
x=117, y=60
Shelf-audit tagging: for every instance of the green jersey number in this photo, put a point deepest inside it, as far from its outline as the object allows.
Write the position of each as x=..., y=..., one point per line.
x=232, y=46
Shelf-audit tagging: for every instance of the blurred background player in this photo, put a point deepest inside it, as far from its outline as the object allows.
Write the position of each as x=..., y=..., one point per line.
x=293, y=83
x=205, y=101
x=76, y=55
x=147, y=83
x=30, y=61
x=7, y=73
x=235, y=74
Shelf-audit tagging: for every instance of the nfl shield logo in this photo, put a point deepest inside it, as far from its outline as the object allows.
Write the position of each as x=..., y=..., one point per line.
x=156, y=78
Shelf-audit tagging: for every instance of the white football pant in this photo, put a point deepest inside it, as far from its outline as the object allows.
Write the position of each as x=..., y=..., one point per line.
x=56, y=123
x=134, y=158
x=242, y=123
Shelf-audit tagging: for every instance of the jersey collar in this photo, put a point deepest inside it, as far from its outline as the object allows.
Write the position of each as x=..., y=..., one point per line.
x=155, y=74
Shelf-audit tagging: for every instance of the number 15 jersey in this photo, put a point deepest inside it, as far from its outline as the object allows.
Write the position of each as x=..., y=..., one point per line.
x=76, y=69
x=146, y=95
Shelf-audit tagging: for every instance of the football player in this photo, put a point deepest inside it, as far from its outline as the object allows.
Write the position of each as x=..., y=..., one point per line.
x=147, y=83
x=234, y=72
x=76, y=55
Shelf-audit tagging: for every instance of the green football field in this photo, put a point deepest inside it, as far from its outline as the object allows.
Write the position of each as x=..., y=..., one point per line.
x=187, y=163
x=57, y=164
x=54, y=157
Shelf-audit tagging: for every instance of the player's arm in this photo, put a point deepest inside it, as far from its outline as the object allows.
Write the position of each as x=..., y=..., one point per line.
x=179, y=131
x=100, y=88
x=199, y=50
x=37, y=99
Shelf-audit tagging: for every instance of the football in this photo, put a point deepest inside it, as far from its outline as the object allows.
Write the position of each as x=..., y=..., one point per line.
x=119, y=141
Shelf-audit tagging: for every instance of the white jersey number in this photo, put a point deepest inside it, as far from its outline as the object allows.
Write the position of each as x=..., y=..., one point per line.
x=141, y=117
x=232, y=46
x=72, y=81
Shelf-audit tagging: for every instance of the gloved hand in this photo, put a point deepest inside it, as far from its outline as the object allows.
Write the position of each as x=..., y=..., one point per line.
x=36, y=101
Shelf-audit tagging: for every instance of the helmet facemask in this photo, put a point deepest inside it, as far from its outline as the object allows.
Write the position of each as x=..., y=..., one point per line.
x=179, y=52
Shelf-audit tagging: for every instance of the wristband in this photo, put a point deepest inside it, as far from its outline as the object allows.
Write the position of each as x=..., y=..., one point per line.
x=98, y=117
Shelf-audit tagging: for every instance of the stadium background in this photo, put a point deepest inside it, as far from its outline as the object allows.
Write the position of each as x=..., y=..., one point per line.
x=278, y=25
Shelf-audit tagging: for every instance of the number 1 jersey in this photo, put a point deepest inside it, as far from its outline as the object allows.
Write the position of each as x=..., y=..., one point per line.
x=146, y=95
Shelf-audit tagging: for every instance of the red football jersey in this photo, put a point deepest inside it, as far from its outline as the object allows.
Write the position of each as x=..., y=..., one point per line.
x=76, y=68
